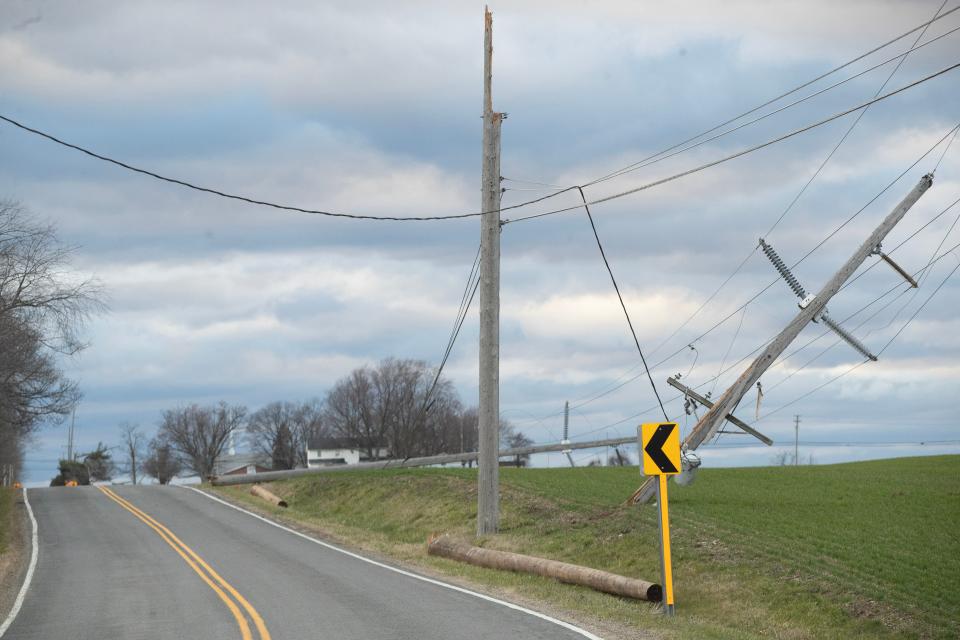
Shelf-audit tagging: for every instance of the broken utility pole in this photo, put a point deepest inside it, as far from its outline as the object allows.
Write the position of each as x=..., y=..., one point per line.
x=488, y=496
x=707, y=426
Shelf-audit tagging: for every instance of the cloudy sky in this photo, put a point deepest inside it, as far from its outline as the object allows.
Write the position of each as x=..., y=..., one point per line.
x=374, y=108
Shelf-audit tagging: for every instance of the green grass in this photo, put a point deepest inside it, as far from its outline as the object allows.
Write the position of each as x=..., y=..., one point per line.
x=6, y=516
x=864, y=550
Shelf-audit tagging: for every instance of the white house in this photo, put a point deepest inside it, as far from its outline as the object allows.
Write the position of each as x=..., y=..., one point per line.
x=330, y=451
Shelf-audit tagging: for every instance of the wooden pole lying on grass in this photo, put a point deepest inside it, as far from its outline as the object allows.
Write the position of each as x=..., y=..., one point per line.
x=267, y=495
x=569, y=573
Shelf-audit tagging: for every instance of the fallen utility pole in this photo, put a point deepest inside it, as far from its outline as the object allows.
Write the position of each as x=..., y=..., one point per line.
x=676, y=384
x=707, y=426
x=425, y=461
x=488, y=489
x=562, y=571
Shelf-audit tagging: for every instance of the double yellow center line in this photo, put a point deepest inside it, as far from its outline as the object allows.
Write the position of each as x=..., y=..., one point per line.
x=213, y=579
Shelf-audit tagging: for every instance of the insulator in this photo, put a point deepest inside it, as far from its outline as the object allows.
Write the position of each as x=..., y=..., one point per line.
x=853, y=342
x=779, y=265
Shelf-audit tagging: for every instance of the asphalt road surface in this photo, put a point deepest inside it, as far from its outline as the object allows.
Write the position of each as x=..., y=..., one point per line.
x=169, y=563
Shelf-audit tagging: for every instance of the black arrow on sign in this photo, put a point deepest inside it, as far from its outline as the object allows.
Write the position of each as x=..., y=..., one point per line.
x=654, y=448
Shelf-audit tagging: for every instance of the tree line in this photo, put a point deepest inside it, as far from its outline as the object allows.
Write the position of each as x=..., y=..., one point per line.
x=400, y=405
x=43, y=308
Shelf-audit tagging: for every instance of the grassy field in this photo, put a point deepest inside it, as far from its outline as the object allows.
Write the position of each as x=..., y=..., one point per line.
x=865, y=550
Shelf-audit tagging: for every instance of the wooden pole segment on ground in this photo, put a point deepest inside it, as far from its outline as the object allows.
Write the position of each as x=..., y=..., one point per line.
x=564, y=572
x=267, y=495
x=707, y=426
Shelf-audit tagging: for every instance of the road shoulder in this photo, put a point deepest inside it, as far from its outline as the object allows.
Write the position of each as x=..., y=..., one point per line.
x=16, y=557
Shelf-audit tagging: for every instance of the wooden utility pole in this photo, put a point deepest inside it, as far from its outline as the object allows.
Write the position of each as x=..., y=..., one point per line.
x=707, y=426
x=566, y=432
x=796, y=440
x=488, y=489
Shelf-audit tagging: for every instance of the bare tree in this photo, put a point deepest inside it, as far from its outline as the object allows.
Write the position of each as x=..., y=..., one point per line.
x=281, y=431
x=162, y=461
x=395, y=404
x=349, y=411
x=200, y=434
x=132, y=441
x=43, y=308
x=782, y=458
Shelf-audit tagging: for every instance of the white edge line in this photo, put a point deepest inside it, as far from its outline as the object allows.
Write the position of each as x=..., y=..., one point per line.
x=29, y=577
x=510, y=605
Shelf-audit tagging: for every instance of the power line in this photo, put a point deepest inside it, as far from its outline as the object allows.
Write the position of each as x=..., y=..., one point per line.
x=352, y=216
x=664, y=155
x=780, y=97
x=947, y=148
x=733, y=156
x=748, y=112
x=465, y=302
x=230, y=196
x=853, y=125
x=616, y=288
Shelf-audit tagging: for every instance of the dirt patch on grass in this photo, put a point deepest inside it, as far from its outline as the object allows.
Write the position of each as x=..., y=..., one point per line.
x=891, y=618
x=16, y=556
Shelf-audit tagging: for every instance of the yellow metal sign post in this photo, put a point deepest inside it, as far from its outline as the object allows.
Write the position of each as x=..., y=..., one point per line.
x=660, y=444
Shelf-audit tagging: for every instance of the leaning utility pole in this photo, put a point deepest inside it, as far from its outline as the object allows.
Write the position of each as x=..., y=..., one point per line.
x=810, y=309
x=488, y=489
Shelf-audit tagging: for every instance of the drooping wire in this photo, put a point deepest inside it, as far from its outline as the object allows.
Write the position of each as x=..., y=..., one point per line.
x=473, y=281
x=623, y=305
x=729, y=349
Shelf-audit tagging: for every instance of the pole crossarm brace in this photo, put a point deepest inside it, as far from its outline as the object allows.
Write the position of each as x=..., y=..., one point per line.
x=676, y=384
x=425, y=461
x=906, y=276
x=814, y=306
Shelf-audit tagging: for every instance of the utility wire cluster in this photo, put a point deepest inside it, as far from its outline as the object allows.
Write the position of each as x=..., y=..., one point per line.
x=712, y=134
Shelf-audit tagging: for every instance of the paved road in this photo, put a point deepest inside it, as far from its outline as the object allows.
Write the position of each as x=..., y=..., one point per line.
x=170, y=563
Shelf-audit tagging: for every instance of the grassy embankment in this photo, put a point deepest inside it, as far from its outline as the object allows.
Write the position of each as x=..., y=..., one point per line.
x=843, y=551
